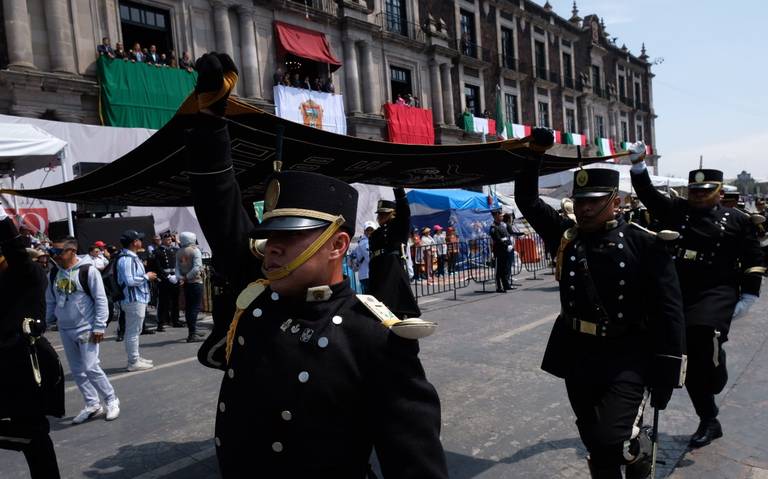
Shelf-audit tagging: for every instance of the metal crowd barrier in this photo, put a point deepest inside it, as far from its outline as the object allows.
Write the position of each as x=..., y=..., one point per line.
x=437, y=269
x=533, y=254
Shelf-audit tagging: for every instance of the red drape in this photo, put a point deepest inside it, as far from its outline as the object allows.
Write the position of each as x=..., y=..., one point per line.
x=306, y=43
x=409, y=125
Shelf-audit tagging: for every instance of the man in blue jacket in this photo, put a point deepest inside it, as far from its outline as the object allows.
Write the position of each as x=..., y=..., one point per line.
x=76, y=301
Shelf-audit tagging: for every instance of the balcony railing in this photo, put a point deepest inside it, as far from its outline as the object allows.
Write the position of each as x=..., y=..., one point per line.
x=473, y=50
x=626, y=101
x=508, y=61
x=399, y=25
x=541, y=73
x=568, y=82
x=330, y=7
x=597, y=90
x=554, y=77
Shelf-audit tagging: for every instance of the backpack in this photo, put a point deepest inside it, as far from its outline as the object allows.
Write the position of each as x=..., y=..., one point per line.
x=112, y=287
x=82, y=277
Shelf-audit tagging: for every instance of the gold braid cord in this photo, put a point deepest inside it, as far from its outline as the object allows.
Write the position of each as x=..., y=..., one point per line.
x=280, y=273
x=565, y=240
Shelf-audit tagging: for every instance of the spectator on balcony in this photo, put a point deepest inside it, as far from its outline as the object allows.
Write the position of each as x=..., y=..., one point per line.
x=163, y=60
x=410, y=101
x=171, y=60
x=105, y=49
x=317, y=85
x=307, y=84
x=120, y=52
x=400, y=100
x=153, y=57
x=328, y=86
x=137, y=55
x=186, y=62
x=277, y=77
x=296, y=81
x=287, y=79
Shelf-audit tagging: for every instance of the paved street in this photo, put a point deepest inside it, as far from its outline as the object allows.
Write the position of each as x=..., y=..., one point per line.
x=502, y=416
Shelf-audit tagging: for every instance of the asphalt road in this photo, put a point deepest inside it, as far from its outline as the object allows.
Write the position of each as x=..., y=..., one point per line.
x=502, y=416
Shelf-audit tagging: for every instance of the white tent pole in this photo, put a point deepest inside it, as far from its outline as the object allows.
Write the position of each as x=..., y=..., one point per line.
x=65, y=177
x=15, y=197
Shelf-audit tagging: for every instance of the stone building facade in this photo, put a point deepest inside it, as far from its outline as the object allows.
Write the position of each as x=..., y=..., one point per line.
x=453, y=55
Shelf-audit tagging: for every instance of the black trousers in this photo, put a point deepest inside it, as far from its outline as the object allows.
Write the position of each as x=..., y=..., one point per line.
x=167, y=304
x=607, y=416
x=707, y=373
x=502, y=270
x=29, y=434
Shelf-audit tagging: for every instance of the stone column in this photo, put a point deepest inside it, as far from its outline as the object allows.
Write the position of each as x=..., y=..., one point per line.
x=437, y=93
x=352, y=77
x=371, y=102
x=447, y=84
x=250, y=67
x=59, y=36
x=18, y=33
x=221, y=25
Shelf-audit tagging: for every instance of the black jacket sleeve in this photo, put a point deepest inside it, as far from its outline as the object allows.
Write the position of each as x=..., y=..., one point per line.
x=751, y=258
x=659, y=206
x=402, y=220
x=218, y=202
x=667, y=320
x=547, y=222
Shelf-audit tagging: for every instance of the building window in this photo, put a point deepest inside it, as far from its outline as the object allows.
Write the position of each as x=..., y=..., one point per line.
x=468, y=42
x=508, y=48
x=400, y=82
x=541, y=60
x=597, y=81
x=396, y=16
x=640, y=136
x=622, y=88
x=146, y=26
x=570, y=120
x=472, y=99
x=510, y=105
x=599, y=126
x=638, y=98
x=543, y=114
x=567, y=70
x=624, y=131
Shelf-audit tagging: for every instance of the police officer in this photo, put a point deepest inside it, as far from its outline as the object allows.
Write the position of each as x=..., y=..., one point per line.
x=720, y=266
x=30, y=373
x=620, y=331
x=502, y=246
x=388, y=278
x=315, y=376
x=168, y=289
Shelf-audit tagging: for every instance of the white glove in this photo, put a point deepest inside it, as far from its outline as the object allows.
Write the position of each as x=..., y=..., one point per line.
x=3, y=214
x=173, y=279
x=637, y=156
x=510, y=248
x=744, y=304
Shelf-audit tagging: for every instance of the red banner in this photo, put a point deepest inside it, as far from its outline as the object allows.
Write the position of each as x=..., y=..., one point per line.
x=409, y=125
x=36, y=219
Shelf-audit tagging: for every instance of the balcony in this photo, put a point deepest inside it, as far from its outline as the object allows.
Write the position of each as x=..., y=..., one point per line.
x=599, y=91
x=508, y=61
x=554, y=77
x=329, y=7
x=399, y=25
x=627, y=101
x=541, y=73
x=473, y=50
x=569, y=83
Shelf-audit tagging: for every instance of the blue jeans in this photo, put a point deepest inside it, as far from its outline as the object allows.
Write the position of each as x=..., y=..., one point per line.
x=134, y=320
x=193, y=298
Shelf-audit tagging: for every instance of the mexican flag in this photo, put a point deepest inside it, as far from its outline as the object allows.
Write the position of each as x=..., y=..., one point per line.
x=518, y=131
x=648, y=150
x=558, y=136
x=575, y=139
x=501, y=127
x=474, y=124
x=605, y=146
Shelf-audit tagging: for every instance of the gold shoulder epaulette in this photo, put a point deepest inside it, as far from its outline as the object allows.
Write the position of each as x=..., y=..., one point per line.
x=413, y=328
x=757, y=218
x=664, y=235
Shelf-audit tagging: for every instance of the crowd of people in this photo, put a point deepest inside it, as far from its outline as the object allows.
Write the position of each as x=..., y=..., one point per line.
x=295, y=80
x=150, y=55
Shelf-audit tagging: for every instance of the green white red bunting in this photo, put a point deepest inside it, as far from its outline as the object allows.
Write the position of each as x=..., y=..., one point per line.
x=605, y=146
x=518, y=131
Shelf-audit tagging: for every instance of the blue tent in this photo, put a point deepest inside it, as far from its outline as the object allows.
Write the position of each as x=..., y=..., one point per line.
x=467, y=211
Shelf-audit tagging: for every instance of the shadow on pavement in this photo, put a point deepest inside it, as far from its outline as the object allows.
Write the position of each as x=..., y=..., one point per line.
x=134, y=460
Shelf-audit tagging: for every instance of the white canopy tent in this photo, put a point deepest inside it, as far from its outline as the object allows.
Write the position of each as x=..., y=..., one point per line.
x=25, y=148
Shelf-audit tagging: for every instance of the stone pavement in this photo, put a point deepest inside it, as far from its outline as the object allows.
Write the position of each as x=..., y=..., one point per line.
x=502, y=416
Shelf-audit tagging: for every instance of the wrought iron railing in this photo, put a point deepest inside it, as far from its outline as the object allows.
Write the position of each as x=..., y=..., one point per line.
x=399, y=25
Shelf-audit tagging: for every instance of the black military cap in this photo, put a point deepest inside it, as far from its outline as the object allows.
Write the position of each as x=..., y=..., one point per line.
x=594, y=182
x=297, y=200
x=166, y=234
x=705, y=179
x=385, y=206
x=130, y=235
x=732, y=195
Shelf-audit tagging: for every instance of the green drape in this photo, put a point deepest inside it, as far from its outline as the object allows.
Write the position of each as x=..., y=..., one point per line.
x=140, y=95
x=469, y=122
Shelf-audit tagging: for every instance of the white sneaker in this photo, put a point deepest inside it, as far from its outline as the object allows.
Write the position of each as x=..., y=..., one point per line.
x=87, y=413
x=139, y=366
x=113, y=409
x=145, y=360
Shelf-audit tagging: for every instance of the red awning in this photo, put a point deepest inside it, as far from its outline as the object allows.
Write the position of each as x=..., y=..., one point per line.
x=306, y=43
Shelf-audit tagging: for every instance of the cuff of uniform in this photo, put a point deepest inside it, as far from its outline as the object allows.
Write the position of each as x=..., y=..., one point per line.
x=207, y=144
x=669, y=371
x=750, y=283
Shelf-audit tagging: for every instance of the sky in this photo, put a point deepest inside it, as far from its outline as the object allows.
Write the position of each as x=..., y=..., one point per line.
x=711, y=90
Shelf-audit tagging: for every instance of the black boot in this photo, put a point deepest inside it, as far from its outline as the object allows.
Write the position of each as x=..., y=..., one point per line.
x=640, y=468
x=603, y=471
x=708, y=430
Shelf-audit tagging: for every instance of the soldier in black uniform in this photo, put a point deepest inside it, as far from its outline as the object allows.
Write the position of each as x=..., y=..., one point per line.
x=502, y=246
x=620, y=330
x=387, y=277
x=637, y=213
x=720, y=265
x=28, y=393
x=168, y=289
x=314, y=379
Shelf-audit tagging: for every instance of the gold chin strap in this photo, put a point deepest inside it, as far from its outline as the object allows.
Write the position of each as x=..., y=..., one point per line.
x=246, y=297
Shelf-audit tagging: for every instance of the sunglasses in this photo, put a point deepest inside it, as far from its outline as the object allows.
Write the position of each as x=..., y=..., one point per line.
x=58, y=251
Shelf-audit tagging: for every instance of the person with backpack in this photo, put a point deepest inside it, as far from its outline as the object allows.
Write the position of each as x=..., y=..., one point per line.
x=76, y=300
